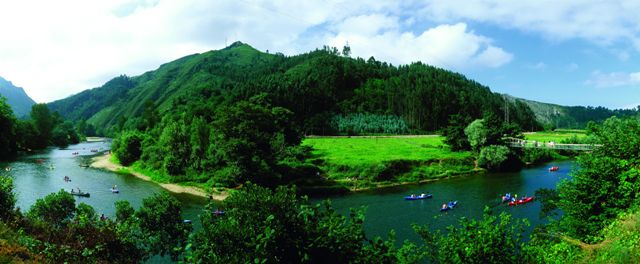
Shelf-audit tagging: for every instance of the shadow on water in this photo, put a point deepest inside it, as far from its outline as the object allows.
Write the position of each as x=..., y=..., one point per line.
x=386, y=209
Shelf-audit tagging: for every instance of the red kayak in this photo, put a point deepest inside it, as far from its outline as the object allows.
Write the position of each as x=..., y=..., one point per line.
x=554, y=168
x=522, y=201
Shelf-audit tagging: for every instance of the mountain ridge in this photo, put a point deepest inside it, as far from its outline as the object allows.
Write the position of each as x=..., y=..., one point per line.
x=17, y=98
x=316, y=86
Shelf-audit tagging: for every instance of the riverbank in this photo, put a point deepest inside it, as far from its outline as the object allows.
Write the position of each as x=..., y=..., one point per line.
x=105, y=162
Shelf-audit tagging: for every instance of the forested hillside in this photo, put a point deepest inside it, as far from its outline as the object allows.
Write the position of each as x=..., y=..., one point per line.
x=327, y=91
x=19, y=101
x=558, y=116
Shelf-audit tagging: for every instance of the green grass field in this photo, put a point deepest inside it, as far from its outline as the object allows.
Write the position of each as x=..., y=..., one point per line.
x=359, y=151
x=371, y=158
x=555, y=136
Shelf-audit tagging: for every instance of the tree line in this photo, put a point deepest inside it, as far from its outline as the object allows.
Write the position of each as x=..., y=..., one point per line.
x=42, y=129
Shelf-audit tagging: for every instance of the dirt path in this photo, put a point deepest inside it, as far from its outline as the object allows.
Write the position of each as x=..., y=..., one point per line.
x=104, y=162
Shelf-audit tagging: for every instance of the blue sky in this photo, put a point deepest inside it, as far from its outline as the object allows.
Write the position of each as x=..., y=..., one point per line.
x=567, y=72
x=565, y=52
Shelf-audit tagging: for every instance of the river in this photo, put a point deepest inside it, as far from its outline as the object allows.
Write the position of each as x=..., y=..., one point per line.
x=386, y=209
x=42, y=173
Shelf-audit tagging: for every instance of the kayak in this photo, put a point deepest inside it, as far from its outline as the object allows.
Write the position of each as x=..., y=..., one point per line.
x=450, y=205
x=419, y=197
x=115, y=190
x=506, y=197
x=80, y=194
x=522, y=201
x=554, y=168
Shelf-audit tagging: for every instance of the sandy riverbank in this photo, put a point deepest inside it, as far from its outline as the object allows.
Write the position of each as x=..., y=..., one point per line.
x=104, y=162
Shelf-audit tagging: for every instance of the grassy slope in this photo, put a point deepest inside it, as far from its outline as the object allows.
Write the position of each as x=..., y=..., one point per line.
x=162, y=86
x=366, y=159
x=621, y=244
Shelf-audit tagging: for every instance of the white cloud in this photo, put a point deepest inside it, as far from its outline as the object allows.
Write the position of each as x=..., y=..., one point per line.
x=613, y=79
x=603, y=22
x=58, y=48
x=448, y=46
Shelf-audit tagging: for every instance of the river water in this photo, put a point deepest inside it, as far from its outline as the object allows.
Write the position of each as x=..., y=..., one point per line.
x=42, y=173
x=386, y=209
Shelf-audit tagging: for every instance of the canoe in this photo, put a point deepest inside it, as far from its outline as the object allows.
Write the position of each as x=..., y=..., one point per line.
x=83, y=194
x=450, y=205
x=419, y=197
x=522, y=201
x=554, y=168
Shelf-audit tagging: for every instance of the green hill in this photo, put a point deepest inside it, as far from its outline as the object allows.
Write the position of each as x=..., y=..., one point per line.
x=19, y=101
x=328, y=93
x=558, y=116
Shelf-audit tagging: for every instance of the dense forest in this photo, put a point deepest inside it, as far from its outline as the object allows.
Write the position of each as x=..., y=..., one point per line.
x=319, y=87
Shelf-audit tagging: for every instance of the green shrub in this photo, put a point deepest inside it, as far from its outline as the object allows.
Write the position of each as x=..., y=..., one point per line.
x=493, y=157
x=7, y=198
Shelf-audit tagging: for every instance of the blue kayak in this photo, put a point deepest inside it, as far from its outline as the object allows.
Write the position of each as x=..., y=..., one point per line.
x=418, y=197
x=450, y=205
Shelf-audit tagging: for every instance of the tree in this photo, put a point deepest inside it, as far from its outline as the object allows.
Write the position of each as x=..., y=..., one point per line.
x=44, y=123
x=454, y=133
x=174, y=143
x=250, y=137
x=492, y=239
x=605, y=182
x=262, y=226
x=124, y=211
x=150, y=116
x=128, y=147
x=54, y=209
x=8, y=145
x=346, y=50
x=493, y=157
x=476, y=134
x=160, y=220
x=7, y=198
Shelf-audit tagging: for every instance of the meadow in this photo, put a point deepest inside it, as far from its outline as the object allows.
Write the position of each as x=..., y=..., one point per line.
x=557, y=136
x=384, y=160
